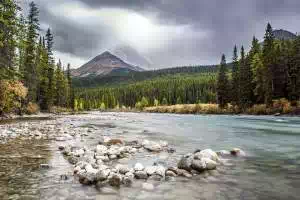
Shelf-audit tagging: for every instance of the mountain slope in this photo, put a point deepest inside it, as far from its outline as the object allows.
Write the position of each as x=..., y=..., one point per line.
x=284, y=35
x=104, y=64
x=130, y=55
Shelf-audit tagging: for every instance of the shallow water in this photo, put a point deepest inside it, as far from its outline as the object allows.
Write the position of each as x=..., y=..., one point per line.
x=271, y=169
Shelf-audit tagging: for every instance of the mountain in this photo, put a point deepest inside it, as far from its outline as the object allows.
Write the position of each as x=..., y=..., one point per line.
x=104, y=64
x=130, y=55
x=284, y=35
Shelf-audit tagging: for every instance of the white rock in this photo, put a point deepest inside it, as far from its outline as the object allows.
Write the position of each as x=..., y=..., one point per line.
x=160, y=170
x=101, y=149
x=163, y=143
x=79, y=152
x=210, y=164
x=148, y=186
x=102, y=174
x=150, y=170
x=106, y=139
x=208, y=153
x=139, y=167
x=237, y=152
x=122, y=169
x=77, y=169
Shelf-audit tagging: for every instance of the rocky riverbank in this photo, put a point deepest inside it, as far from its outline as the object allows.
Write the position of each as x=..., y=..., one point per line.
x=99, y=163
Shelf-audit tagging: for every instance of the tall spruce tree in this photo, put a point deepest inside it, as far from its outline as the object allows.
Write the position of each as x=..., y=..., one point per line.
x=8, y=31
x=51, y=69
x=222, y=84
x=257, y=67
x=245, y=82
x=30, y=73
x=235, y=78
x=268, y=61
x=71, y=98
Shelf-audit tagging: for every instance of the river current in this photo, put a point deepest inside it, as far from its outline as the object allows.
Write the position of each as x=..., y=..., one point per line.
x=270, y=169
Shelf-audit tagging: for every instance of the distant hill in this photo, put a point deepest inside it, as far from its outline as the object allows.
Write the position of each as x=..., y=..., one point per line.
x=104, y=64
x=284, y=35
x=130, y=55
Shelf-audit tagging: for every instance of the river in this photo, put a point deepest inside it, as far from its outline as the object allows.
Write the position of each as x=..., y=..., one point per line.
x=270, y=169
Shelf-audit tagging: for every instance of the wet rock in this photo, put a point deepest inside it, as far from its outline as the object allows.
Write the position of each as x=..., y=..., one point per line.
x=76, y=169
x=171, y=150
x=150, y=170
x=91, y=173
x=152, y=146
x=101, y=150
x=184, y=173
x=140, y=175
x=197, y=151
x=102, y=174
x=61, y=148
x=223, y=153
x=122, y=169
x=173, y=169
x=79, y=153
x=208, y=153
x=138, y=167
x=73, y=160
x=113, y=157
x=185, y=162
x=198, y=165
x=101, y=184
x=170, y=173
x=127, y=181
x=115, y=180
x=210, y=164
x=160, y=170
x=237, y=152
x=148, y=186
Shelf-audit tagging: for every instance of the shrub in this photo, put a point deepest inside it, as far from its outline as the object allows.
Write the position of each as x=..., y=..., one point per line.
x=282, y=106
x=260, y=109
x=12, y=93
x=156, y=102
x=102, y=107
x=144, y=102
x=138, y=105
x=32, y=108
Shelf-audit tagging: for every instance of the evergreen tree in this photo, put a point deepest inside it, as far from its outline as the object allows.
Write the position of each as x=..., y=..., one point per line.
x=30, y=76
x=71, y=90
x=235, y=78
x=268, y=61
x=258, y=73
x=222, y=84
x=8, y=31
x=245, y=82
x=50, y=73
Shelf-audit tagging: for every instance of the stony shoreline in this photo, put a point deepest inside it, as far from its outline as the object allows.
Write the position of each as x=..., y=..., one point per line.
x=95, y=165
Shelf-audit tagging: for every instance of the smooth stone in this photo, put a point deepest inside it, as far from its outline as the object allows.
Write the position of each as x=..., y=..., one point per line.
x=237, y=152
x=210, y=164
x=170, y=173
x=102, y=174
x=160, y=170
x=148, y=186
x=140, y=175
x=185, y=162
x=115, y=180
x=150, y=170
x=184, y=173
x=122, y=169
x=127, y=181
x=199, y=165
x=138, y=167
x=208, y=153
x=155, y=177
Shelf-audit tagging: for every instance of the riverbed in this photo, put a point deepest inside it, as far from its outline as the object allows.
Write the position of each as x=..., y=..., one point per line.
x=270, y=169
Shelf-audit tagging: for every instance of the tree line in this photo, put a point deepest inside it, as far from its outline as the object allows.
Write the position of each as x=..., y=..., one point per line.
x=167, y=90
x=26, y=59
x=270, y=70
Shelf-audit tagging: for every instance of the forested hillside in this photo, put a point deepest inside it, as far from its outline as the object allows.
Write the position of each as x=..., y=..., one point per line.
x=29, y=77
x=267, y=72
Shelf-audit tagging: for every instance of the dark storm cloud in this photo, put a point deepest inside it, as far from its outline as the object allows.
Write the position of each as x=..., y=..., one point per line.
x=228, y=22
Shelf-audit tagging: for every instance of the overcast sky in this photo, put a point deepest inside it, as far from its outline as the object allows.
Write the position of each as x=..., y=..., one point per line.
x=167, y=32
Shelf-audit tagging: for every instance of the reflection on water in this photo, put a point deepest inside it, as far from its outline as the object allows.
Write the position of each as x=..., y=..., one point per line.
x=271, y=169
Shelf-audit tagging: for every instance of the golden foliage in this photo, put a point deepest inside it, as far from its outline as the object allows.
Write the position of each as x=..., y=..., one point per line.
x=32, y=108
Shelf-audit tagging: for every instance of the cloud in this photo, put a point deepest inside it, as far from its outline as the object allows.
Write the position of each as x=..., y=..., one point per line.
x=169, y=32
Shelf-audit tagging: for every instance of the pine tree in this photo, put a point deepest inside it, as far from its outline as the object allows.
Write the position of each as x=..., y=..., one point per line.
x=50, y=73
x=245, y=82
x=268, y=61
x=222, y=84
x=8, y=31
x=235, y=78
x=71, y=90
x=30, y=76
x=258, y=73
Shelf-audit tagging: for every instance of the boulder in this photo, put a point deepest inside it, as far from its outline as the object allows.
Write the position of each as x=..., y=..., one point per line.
x=210, y=164
x=122, y=169
x=115, y=180
x=152, y=146
x=91, y=173
x=77, y=169
x=138, y=167
x=208, y=153
x=185, y=162
x=223, y=153
x=127, y=181
x=140, y=175
x=102, y=174
x=184, y=173
x=150, y=170
x=148, y=186
x=160, y=170
x=237, y=152
x=101, y=150
x=79, y=152
x=170, y=173
x=198, y=165
x=114, y=142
